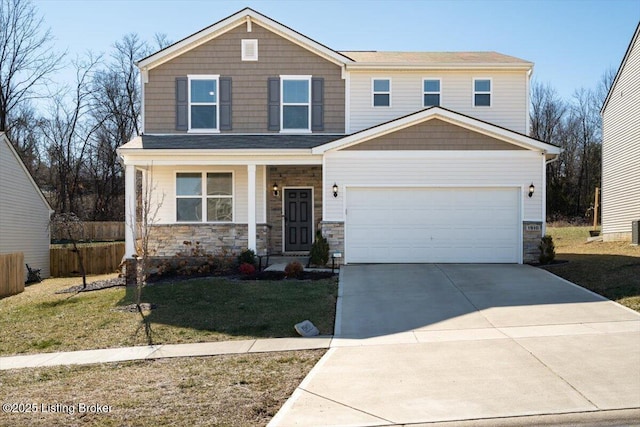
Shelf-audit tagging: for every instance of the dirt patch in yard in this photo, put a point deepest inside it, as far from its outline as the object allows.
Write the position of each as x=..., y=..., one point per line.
x=244, y=390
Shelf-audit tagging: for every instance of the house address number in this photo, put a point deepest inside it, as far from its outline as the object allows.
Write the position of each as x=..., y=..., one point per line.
x=533, y=227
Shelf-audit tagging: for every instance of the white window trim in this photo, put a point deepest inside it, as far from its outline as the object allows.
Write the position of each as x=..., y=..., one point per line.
x=439, y=79
x=203, y=197
x=215, y=77
x=474, y=92
x=374, y=93
x=245, y=43
x=306, y=78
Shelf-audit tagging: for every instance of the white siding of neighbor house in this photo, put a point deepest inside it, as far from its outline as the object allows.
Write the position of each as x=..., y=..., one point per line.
x=434, y=169
x=164, y=179
x=621, y=151
x=24, y=216
x=508, y=96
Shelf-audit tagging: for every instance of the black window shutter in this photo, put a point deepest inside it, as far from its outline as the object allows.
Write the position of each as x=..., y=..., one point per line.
x=274, y=103
x=225, y=103
x=317, y=104
x=182, y=103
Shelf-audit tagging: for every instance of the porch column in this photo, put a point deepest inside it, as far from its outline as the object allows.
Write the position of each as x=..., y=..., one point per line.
x=130, y=211
x=251, y=216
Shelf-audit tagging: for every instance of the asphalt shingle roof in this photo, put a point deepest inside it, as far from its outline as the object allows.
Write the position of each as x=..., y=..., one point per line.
x=234, y=142
x=408, y=58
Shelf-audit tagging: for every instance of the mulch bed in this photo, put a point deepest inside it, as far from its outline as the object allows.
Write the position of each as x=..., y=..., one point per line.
x=94, y=286
x=263, y=275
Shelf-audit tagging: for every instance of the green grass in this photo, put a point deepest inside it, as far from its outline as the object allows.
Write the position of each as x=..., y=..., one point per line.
x=611, y=269
x=214, y=309
x=38, y=320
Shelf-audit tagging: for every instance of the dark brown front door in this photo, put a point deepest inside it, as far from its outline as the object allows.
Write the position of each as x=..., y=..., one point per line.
x=298, y=207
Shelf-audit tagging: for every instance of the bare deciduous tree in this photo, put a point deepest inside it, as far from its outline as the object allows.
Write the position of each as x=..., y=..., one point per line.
x=150, y=204
x=27, y=57
x=72, y=227
x=68, y=132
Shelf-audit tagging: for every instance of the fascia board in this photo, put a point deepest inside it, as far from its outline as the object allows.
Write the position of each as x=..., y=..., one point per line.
x=372, y=66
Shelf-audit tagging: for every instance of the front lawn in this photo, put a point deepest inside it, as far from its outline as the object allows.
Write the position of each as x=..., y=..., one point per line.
x=198, y=310
x=611, y=269
x=234, y=390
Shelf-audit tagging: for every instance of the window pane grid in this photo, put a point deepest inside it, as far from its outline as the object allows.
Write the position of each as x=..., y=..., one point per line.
x=203, y=103
x=431, y=93
x=482, y=93
x=216, y=199
x=296, y=104
x=381, y=92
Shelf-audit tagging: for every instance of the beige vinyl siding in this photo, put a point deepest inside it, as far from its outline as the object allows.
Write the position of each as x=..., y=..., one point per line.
x=222, y=56
x=164, y=178
x=433, y=168
x=24, y=216
x=621, y=151
x=508, y=96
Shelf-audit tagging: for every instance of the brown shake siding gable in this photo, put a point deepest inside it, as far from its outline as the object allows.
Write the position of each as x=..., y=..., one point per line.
x=222, y=55
x=434, y=135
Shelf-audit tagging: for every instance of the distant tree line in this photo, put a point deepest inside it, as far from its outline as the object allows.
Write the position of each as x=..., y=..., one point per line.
x=67, y=135
x=576, y=127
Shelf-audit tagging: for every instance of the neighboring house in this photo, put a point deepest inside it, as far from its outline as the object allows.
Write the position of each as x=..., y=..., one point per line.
x=621, y=148
x=24, y=211
x=257, y=136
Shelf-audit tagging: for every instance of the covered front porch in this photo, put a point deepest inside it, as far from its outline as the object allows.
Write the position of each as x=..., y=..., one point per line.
x=224, y=205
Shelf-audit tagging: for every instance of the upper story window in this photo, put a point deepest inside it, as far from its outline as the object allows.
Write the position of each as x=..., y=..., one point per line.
x=431, y=92
x=215, y=203
x=203, y=103
x=482, y=92
x=295, y=113
x=381, y=92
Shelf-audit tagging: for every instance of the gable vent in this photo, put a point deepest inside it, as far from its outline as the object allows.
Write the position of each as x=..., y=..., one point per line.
x=250, y=50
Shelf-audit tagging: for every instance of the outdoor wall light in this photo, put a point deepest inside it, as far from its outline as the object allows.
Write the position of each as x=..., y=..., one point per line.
x=275, y=189
x=532, y=188
x=335, y=190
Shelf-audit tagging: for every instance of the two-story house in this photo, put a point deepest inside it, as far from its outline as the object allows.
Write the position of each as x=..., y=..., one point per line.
x=256, y=136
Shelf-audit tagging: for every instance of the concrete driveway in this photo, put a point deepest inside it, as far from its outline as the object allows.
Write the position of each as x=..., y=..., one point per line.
x=471, y=344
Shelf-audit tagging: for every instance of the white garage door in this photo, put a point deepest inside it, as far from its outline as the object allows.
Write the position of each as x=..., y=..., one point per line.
x=404, y=225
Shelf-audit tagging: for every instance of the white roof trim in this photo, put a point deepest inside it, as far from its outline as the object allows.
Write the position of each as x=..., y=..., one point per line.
x=370, y=66
x=4, y=138
x=231, y=22
x=445, y=115
x=627, y=54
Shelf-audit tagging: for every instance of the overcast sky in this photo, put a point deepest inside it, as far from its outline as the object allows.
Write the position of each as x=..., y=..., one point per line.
x=571, y=42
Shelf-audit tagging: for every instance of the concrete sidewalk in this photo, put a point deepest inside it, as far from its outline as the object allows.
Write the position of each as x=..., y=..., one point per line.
x=122, y=354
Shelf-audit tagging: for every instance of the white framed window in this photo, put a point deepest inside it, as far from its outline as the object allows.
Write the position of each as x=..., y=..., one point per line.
x=431, y=92
x=295, y=108
x=250, y=49
x=204, y=197
x=482, y=92
x=204, y=114
x=381, y=92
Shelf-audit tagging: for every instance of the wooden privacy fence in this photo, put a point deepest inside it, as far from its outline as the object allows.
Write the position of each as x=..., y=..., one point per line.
x=11, y=274
x=98, y=259
x=92, y=231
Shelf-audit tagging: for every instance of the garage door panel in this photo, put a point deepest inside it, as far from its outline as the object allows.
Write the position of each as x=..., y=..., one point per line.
x=433, y=225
